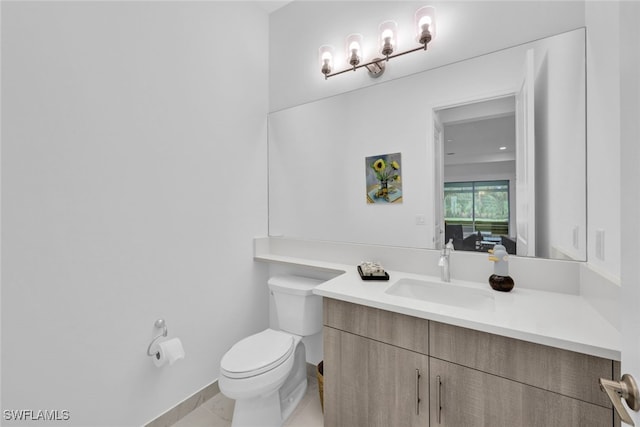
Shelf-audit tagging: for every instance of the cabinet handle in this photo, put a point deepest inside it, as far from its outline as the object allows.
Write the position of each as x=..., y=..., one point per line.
x=439, y=398
x=417, y=391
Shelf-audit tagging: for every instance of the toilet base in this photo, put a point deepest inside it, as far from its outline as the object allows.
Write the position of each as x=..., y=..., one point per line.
x=267, y=411
x=273, y=409
x=289, y=404
x=263, y=410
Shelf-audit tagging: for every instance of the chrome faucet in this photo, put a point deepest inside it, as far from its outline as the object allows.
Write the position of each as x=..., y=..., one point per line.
x=445, y=271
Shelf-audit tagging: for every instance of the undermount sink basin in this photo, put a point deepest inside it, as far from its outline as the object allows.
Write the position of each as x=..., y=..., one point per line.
x=443, y=293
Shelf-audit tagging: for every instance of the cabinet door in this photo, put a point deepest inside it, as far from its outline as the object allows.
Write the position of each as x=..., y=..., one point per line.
x=562, y=371
x=368, y=383
x=466, y=397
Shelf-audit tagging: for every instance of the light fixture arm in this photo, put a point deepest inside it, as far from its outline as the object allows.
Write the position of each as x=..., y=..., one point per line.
x=377, y=61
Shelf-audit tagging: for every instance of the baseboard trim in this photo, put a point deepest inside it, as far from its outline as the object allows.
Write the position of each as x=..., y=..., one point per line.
x=192, y=402
x=183, y=408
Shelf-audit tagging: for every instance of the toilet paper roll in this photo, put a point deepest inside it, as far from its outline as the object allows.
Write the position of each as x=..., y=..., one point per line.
x=168, y=351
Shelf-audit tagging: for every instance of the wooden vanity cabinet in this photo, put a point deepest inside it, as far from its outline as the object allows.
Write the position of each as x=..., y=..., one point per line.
x=373, y=383
x=461, y=396
x=373, y=375
x=372, y=359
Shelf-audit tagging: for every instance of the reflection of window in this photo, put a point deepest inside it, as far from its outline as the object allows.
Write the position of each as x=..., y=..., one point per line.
x=478, y=205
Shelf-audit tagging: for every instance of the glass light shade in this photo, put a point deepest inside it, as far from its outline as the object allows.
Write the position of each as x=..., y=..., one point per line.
x=354, y=49
x=326, y=59
x=388, y=37
x=425, y=24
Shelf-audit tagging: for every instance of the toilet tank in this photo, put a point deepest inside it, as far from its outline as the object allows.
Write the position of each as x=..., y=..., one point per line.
x=299, y=310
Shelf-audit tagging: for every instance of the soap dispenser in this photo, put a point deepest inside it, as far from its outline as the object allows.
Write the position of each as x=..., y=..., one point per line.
x=500, y=279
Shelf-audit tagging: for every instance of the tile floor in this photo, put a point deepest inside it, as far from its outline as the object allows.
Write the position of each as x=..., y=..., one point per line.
x=218, y=411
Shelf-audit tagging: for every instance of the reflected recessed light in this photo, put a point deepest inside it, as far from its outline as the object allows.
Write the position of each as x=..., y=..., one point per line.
x=503, y=148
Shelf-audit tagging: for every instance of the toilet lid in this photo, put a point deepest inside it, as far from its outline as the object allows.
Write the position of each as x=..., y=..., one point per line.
x=257, y=354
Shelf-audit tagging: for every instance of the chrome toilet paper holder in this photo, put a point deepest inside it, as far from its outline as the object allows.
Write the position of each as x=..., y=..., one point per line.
x=159, y=324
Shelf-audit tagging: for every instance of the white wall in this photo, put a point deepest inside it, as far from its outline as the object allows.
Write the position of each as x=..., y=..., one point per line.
x=560, y=166
x=133, y=180
x=603, y=134
x=630, y=176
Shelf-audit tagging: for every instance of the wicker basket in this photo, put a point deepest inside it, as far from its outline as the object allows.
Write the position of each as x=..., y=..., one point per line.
x=319, y=374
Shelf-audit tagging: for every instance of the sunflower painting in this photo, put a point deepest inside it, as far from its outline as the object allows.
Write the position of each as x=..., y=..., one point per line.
x=384, y=184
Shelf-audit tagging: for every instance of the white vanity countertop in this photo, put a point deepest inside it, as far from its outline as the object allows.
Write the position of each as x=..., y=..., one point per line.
x=549, y=318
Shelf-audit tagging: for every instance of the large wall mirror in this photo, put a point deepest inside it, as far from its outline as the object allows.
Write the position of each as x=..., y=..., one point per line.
x=493, y=149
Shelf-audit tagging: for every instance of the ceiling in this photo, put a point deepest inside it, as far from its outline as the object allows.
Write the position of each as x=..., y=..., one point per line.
x=271, y=6
x=479, y=132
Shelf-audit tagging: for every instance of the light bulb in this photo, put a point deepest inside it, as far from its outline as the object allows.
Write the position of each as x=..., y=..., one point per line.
x=425, y=24
x=354, y=49
x=388, y=37
x=326, y=59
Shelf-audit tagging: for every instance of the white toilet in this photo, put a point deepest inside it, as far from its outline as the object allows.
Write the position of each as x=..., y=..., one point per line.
x=266, y=373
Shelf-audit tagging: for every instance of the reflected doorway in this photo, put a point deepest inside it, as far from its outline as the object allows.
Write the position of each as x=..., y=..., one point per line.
x=478, y=146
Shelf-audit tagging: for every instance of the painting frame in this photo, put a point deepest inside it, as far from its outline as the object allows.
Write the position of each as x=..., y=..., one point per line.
x=383, y=178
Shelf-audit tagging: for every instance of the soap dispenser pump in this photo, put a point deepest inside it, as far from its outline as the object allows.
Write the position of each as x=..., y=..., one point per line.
x=500, y=279
x=450, y=246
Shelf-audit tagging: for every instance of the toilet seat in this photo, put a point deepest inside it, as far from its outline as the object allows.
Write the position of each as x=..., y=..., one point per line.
x=257, y=354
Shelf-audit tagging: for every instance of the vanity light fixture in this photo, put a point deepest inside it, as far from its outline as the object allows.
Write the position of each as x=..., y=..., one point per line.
x=388, y=43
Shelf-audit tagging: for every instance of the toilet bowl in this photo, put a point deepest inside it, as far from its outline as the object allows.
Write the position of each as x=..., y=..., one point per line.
x=257, y=365
x=266, y=372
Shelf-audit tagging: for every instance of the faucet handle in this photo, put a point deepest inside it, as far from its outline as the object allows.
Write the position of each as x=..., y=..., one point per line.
x=448, y=248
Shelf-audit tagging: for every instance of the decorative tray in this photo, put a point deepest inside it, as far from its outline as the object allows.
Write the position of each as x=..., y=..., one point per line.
x=363, y=277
